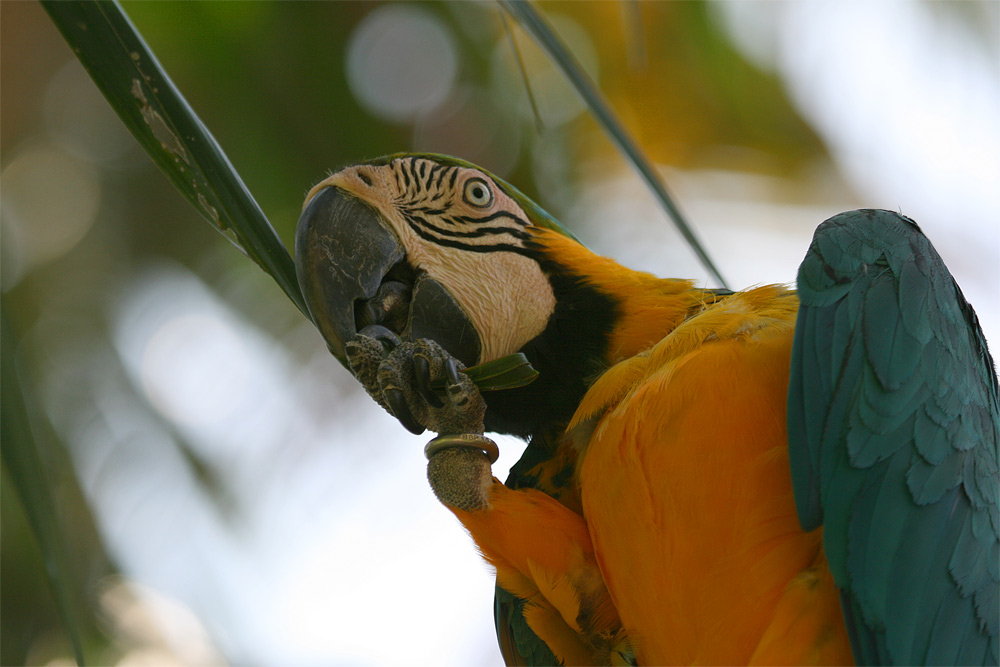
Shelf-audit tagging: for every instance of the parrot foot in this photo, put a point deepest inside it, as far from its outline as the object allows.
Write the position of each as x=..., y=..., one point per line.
x=460, y=475
x=404, y=381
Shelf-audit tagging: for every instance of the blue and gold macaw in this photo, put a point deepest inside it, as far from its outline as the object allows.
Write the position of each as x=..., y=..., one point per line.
x=714, y=477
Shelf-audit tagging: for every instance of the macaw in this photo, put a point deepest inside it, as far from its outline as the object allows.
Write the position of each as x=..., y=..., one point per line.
x=754, y=477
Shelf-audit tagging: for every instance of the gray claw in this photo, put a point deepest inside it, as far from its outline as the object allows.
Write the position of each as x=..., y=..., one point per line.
x=397, y=403
x=422, y=373
x=457, y=391
x=389, y=340
x=451, y=369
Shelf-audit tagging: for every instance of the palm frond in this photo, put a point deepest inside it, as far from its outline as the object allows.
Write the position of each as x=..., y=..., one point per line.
x=34, y=488
x=156, y=113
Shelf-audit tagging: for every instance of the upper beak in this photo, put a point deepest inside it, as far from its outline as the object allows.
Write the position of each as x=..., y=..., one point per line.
x=342, y=252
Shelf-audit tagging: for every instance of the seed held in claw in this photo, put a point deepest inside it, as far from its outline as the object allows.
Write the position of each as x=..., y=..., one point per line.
x=467, y=440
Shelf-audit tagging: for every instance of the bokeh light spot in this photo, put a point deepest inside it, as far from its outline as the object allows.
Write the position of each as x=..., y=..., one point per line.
x=195, y=384
x=50, y=200
x=557, y=100
x=401, y=61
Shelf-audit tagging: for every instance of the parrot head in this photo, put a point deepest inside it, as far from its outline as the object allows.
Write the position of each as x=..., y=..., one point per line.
x=426, y=246
x=429, y=247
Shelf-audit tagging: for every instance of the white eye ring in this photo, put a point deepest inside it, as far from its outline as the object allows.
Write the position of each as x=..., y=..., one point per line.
x=478, y=193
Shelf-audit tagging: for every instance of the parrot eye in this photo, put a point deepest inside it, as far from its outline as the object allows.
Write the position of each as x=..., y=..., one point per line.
x=478, y=193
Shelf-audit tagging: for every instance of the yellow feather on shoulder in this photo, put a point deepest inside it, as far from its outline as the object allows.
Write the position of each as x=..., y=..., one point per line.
x=741, y=315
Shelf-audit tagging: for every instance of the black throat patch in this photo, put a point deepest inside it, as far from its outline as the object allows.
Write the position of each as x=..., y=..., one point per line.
x=569, y=354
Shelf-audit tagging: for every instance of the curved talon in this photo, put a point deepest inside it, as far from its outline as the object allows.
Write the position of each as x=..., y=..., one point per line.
x=397, y=403
x=422, y=372
x=468, y=440
x=451, y=370
x=390, y=341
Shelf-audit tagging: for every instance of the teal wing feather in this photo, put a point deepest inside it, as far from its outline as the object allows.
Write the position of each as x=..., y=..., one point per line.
x=519, y=645
x=893, y=435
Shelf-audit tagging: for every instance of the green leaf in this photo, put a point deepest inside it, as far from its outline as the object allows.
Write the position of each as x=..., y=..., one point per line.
x=27, y=472
x=508, y=372
x=533, y=22
x=139, y=90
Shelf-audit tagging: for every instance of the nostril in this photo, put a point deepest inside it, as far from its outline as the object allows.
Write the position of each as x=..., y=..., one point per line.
x=363, y=175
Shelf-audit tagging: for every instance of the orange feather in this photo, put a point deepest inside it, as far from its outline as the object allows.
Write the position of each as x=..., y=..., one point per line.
x=543, y=554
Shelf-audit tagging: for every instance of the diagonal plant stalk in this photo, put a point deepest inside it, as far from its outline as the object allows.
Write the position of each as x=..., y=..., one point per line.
x=156, y=113
x=539, y=126
x=536, y=25
x=28, y=475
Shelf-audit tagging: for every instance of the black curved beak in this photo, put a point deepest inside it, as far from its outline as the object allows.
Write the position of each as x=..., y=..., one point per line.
x=353, y=273
x=342, y=252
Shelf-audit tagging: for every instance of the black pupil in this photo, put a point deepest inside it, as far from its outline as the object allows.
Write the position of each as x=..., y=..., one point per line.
x=478, y=193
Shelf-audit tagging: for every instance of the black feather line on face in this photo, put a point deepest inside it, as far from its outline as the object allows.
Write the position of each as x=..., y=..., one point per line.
x=423, y=209
x=494, y=216
x=450, y=243
x=406, y=176
x=415, y=220
x=438, y=170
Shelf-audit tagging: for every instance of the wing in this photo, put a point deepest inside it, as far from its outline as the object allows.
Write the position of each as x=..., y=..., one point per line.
x=893, y=436
x=519, y=645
